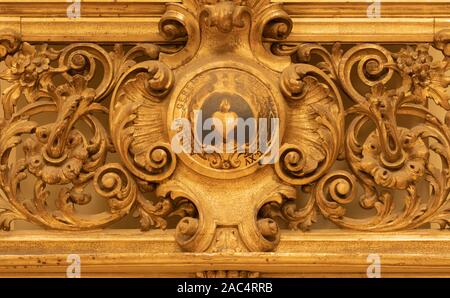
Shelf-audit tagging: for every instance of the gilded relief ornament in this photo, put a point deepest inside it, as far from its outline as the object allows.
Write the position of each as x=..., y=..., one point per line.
x=229, y=76
x=175, y=115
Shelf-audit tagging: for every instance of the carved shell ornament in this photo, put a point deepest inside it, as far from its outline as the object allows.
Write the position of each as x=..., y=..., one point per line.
x=231, y=63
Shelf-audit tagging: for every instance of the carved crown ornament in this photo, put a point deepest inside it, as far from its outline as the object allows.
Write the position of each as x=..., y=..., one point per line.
x=231, y=61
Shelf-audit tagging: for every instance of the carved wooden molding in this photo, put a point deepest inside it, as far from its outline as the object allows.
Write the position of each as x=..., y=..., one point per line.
x=128, y=253
x=338, y=103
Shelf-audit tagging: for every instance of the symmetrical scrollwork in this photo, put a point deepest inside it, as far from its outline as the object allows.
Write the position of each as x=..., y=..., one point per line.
x=71, y=151
x=229, y=60
x=391, y=158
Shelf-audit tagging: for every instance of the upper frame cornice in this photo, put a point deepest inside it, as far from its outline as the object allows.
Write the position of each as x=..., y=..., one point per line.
x=137, y=20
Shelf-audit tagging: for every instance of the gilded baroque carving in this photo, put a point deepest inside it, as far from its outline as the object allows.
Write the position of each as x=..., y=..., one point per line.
x=229, y=60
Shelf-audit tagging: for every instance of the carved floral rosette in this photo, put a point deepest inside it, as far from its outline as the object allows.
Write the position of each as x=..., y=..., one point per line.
x=230, y=60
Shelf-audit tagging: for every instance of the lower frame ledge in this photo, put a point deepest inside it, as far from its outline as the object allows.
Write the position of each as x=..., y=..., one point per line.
x=131, y=253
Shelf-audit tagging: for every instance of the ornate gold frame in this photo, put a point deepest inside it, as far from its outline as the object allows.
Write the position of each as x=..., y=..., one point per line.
x=168, y=52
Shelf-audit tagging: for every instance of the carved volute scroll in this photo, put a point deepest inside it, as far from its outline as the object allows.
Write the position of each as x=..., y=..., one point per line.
x=230, y=61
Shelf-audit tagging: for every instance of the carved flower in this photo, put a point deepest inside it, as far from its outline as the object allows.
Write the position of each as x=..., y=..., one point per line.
x=415, y=62
x=26, y=65
x=427, y=79
x=18, y=62
x=26, y=70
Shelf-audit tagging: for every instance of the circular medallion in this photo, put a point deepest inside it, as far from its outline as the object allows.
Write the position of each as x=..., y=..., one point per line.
x=227, y=122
